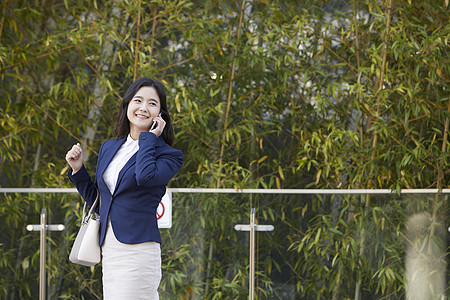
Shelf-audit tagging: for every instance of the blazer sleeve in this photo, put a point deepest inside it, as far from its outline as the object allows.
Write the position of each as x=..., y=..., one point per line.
x=84, y=184
x=156, y=167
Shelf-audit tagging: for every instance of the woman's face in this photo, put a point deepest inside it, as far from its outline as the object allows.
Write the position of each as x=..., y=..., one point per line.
x=143, y=107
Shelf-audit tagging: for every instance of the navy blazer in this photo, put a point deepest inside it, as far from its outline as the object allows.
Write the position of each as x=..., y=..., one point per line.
x=140, y=187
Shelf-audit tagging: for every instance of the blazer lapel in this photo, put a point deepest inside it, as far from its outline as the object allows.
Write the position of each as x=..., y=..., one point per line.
x=122, y=172
x=108, y=154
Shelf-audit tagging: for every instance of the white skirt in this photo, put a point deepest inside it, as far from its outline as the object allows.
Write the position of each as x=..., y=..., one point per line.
x=130, y=271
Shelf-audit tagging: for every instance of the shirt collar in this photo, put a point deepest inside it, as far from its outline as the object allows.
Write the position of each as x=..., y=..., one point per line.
x=130, y=141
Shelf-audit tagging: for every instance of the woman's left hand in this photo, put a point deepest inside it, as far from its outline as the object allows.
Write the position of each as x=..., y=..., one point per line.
x=160, y=124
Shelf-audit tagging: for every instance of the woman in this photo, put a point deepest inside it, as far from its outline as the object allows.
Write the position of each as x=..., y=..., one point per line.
x=132, y=173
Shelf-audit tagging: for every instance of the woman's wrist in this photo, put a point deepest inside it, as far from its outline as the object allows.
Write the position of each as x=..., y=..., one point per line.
x=74, y=170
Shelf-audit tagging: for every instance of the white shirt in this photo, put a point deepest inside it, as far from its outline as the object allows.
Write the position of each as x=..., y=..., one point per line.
x=125, y=152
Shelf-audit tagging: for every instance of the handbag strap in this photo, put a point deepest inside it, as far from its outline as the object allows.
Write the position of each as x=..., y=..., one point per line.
x=86, y=217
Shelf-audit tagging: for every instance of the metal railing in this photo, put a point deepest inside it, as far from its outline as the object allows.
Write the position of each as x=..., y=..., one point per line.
x=252, y=191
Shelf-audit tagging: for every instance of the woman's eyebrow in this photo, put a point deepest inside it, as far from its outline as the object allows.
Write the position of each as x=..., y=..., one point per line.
x=151, y=99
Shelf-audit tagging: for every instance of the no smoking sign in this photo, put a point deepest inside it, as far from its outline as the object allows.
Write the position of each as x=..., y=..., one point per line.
x=164, y=211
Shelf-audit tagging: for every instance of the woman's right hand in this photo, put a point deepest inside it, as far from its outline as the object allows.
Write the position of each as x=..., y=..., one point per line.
x=75, y=158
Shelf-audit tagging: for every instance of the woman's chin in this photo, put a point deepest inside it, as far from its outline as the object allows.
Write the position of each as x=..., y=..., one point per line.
x=139, y=129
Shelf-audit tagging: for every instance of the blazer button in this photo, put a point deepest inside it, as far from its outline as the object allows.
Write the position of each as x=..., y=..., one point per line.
x=110, y=199
x=143, y=138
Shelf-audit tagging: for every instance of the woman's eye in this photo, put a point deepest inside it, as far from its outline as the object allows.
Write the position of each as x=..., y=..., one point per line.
x=137, y=100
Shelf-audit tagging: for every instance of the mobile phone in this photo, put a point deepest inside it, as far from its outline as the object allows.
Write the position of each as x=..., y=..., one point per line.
x=153, y=125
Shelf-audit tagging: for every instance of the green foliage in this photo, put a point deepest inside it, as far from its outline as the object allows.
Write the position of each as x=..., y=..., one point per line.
x=271, y=94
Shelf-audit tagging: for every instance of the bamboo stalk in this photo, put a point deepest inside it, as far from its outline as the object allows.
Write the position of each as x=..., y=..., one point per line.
x=175, y=64
x=9, y=135
x=356, y=36
x=152, y=43
x=225, y=127
x=2, y=22
x=37, y=57
x=209, y=265
x=440, y=179
x=445, y=138
x=230, y=89
x=136, y=47
x=361, y=133
x=379, y=82
x=378, y=86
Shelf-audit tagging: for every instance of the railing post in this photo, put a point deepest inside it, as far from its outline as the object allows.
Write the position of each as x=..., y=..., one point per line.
x=252, y=227
x=42, y=228
x=42, y=256
x=251, y=278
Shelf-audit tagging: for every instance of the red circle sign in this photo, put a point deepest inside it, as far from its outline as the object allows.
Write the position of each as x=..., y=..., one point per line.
x=159, y=216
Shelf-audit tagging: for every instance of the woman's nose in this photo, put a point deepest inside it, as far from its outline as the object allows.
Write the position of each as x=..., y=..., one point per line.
x=143, y=107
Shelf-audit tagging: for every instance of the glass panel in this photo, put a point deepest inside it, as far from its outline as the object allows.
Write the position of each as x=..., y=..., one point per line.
x=322, y=247
x=202, y=253
x=353, y=246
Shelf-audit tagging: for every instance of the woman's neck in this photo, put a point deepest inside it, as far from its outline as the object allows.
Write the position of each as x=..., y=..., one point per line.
x=135, y=134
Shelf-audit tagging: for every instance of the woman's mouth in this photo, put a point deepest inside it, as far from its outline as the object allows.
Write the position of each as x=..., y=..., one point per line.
x=142, y=117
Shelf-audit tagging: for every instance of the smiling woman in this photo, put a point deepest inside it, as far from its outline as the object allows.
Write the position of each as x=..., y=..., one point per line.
x=133, y=171
x=143, y=111
x=149, y=91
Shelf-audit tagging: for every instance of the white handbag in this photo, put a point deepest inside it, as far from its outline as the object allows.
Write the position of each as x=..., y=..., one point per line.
x=86, y=249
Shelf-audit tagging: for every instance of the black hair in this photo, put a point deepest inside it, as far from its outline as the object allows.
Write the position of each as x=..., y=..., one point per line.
x=122, y=126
